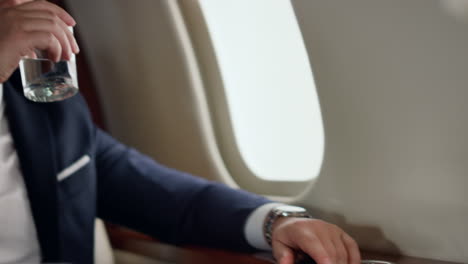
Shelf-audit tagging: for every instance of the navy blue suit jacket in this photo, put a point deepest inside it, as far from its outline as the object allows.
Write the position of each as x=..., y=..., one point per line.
x=119, y=185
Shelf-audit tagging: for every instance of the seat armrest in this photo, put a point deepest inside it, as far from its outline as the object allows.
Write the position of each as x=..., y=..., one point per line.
x=137, y=243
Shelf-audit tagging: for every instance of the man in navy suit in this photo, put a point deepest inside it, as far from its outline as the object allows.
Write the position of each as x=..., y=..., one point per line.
x=58, y=172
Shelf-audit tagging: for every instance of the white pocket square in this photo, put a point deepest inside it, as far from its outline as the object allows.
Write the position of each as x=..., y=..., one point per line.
x=74, y=167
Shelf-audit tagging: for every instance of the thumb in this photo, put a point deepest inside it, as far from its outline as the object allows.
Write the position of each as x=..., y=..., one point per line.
x=282, y=253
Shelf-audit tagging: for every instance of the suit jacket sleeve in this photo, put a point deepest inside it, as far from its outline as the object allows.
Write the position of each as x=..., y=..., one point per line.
x=174, y=207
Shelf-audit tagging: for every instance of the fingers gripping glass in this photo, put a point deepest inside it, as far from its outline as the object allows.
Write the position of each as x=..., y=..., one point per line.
x=47, y=81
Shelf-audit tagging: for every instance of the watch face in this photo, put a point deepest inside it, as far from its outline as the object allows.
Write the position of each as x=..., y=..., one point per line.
x=290, y=209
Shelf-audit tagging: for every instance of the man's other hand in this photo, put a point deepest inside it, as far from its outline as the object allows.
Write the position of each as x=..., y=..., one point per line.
x=324, y=242
x=27, y=25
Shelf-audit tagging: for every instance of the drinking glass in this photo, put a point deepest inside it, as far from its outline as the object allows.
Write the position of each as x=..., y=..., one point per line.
x=48, y=81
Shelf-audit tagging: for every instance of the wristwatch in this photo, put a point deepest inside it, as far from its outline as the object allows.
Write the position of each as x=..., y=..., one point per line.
x=278, y=212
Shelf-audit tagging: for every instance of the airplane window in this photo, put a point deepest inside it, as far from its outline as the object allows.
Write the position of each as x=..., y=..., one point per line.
x=269, y=87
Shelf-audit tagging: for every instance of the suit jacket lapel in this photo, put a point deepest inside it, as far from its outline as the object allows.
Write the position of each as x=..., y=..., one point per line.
x=32, y=135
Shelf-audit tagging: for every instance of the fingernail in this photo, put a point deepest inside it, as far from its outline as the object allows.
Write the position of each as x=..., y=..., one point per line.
x=76, y=48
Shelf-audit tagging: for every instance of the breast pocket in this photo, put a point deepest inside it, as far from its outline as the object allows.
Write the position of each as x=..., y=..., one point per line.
x=76, y=177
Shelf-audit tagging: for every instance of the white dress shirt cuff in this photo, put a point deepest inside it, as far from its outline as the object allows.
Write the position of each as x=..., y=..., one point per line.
x=253, y=229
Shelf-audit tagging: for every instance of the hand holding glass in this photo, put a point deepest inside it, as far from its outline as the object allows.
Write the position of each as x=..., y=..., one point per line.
x=47, y=81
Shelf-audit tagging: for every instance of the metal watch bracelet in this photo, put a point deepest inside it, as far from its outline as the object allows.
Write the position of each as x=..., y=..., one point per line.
x=279, y=212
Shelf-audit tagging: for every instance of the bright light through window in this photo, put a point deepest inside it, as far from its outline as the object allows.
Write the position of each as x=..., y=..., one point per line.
x=269, y=86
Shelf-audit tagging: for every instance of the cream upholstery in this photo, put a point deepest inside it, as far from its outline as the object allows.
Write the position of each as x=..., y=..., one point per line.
x=102, y=250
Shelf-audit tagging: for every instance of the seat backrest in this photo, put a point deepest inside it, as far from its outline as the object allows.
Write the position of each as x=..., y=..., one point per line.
x=102, y=249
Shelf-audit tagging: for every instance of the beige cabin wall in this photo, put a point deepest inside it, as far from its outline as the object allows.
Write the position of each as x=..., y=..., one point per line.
x=392, y=78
